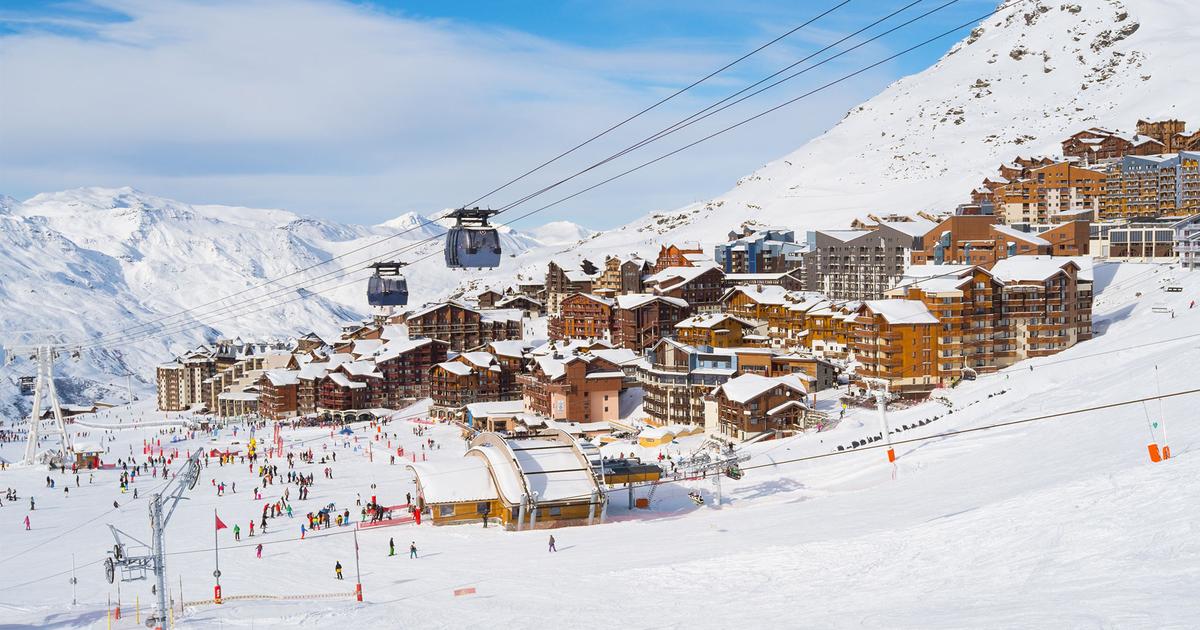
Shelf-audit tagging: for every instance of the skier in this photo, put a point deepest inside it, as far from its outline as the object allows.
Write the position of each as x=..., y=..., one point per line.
x=552, y=548
x=302, y=531
x=391, y=546
x=337, y=568
x=30, y=504
x=258, y=550
x=412, y=550
x=237, y=532
x=26, y=522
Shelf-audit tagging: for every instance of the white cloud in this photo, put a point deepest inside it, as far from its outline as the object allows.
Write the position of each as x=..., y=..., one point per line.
x=337, y=110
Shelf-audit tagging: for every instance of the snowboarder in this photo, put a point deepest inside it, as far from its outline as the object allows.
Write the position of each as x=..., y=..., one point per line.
x=391, y=547
x=552, y=548
x=412, y=550
x=337, y=568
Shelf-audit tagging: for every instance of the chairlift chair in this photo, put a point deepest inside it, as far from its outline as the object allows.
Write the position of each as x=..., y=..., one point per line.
x=387, y=287
x=472, y=243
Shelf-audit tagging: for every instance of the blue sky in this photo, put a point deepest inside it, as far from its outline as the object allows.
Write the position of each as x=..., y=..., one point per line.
x=360, y=111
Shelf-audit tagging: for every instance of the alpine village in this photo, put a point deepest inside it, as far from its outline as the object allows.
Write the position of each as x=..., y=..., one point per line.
x=776, y=332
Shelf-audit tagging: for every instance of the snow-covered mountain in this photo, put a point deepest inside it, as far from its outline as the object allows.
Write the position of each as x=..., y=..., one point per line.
x=561, y=233
x=91, y=261
x=1018, y=84
x=121, y=263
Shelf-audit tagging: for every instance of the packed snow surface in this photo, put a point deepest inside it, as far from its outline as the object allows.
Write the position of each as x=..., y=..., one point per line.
x=1062, y=522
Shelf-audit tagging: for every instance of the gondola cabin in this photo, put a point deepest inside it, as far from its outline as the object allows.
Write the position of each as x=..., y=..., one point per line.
x=472, y=243
x=387, y=287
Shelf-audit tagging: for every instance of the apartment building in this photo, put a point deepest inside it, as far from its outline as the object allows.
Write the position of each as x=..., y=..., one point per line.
x=1050, y=191
x=675, y=256
x=583, y=316
x=564, y=279
x=678, y=378
x=862, y=264
x=749, y=405
x=757, y=250
x=621, y=276
x=641, y=319
x=966, y=301
x=699, y=286
x=463, y=327
x=579, y=388
x=1046, y=303
x=718, y=330
x=278, y=394
x=180, y=382
x=898, y=340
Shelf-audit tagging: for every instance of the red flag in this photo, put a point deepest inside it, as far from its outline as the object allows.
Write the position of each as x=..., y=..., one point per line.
x=220, y=525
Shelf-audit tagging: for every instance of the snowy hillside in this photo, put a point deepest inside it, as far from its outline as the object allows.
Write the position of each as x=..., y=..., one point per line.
x=1017, y=85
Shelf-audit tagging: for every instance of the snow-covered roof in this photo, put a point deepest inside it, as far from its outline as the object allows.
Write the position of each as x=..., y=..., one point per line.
x=572, y=479
x=313, y=371
x=399, y=347
x=518, y=298
x=361, y=368
x=902, y=311
x=747, y=387
x=596, y=298
x=342, y=380
x=455, y=367
x=246, y=396
x=844, y=235
x=509, y=348
x=712, y=320
x=1025, y=236
x=481, y=359
x=617, y=356
x=501, y=315
x=680, y=275
x=929, y=270
x=429, y=308
x=280, y=378
x=496, y=408
x=600, y=375
x=787, y=405
x=392, y=332
x=459, y=481
x=577, y=275
x=637, y=300
x=773, y=295
x=504, y=471
x=364, y=347
x=1038, y=268
x=551, y=367
x=916, y=227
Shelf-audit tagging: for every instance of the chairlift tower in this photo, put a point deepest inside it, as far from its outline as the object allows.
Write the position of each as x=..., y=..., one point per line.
x=162, y=506
x=878, y=388
x=44, y=354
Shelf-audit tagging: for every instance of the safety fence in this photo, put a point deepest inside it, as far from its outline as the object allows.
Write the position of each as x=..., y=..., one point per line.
x=237, y=598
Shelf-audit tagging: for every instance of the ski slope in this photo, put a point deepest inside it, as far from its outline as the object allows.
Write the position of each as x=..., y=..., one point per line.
x=1062, y=522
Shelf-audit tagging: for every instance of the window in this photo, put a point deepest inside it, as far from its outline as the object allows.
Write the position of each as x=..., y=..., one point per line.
x=445, y=510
